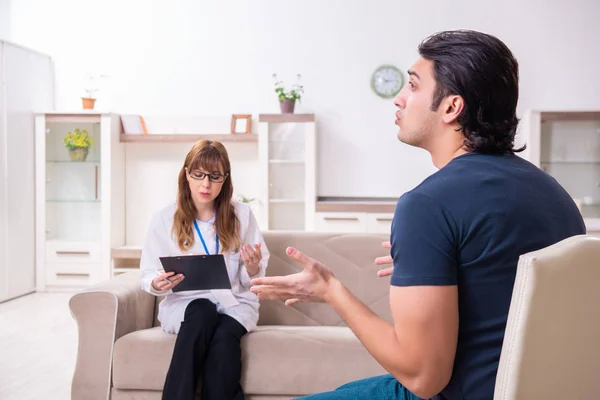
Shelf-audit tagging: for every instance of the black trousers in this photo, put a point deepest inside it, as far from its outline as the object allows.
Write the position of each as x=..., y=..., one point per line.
x=207, y=346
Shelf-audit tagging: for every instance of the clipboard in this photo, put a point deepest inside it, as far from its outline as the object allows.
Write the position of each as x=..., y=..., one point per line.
x=201, y=271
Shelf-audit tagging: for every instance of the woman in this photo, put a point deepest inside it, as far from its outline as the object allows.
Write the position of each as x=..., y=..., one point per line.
x=209, y=323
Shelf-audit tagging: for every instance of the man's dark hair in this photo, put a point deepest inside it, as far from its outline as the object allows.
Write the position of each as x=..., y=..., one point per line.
x=482, y=70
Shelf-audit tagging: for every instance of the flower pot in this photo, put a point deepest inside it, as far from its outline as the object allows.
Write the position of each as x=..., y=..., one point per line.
x=88, y=104
x=78, y=153
x=287, y=106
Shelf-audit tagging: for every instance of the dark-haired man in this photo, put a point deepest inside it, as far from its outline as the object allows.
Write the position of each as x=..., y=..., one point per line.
x=456, y=238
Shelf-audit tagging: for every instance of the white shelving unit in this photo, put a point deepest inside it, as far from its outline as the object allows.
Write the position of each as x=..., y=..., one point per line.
x=287, y=156
x=355, y=215
x=566, y=144
x=80, y=205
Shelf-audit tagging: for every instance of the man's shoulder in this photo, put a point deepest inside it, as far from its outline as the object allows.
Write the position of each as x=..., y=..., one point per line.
x=438, y=185
x=412, y=205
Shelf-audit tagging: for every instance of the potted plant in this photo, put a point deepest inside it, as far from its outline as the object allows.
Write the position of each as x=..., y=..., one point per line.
x=287, y=98
x=88, y=102
x=78, y=142
x=91, y=86
x=90, y=89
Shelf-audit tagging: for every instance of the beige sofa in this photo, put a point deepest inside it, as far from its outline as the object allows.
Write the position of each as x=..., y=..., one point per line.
x=298, y=350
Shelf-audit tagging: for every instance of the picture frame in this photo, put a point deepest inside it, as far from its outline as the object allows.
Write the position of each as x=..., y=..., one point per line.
x=134, y=125
x=241, y=123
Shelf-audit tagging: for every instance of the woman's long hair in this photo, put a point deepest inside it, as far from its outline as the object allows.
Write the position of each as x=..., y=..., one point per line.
x=210, y=156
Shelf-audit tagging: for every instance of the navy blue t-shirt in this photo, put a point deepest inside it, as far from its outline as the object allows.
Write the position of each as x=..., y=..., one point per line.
x=467, y=225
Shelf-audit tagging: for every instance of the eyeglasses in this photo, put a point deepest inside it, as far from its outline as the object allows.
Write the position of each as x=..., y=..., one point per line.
x=212, y=176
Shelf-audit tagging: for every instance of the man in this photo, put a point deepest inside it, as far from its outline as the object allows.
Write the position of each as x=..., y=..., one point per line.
x=456, y=238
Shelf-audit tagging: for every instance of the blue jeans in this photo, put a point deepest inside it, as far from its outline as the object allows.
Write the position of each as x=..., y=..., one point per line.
x=384, y=387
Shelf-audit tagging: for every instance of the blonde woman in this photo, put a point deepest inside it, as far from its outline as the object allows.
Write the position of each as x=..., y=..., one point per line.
x=209, y=323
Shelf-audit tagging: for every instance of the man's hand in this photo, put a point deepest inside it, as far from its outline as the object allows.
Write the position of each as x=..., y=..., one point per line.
x=251, y=257
x=385, y=261
x=312, y=284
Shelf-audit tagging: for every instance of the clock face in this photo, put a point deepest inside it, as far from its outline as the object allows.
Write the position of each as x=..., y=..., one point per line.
x=387, y=81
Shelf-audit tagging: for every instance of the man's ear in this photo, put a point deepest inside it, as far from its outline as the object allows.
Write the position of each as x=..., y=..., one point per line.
x=452, y=106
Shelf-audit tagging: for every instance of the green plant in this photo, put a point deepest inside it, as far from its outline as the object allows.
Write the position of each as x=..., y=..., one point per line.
x=79, y=138
x=247, y=200
x=294, y=93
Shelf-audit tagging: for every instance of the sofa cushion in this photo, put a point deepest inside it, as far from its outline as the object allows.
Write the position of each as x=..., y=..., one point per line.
x=141, y=359
x=298, y=360
x=278, y=360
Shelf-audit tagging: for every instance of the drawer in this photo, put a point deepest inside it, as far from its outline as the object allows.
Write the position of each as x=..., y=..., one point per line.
x=341, y=222
x=69, y=268
x=69, y=274
x=72, y=252
x=379, y=223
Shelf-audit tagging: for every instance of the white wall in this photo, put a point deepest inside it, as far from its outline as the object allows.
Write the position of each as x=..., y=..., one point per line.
x=5, y=19
x=151, y=180
x=190, y=57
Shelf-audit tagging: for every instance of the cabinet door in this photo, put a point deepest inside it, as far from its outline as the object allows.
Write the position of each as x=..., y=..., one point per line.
x=379, y=223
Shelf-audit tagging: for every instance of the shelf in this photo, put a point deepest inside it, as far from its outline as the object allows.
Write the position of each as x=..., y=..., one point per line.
x=547, y=116
x=132, y=252
x=282, y=118
x=592, y=204
x=286, y=162
x=286, y=201
x=92, y=162
x=188, y=138
x=123, y=270
x=74, y=117
x=73, y=201
x=356, y=204
x=570, y=162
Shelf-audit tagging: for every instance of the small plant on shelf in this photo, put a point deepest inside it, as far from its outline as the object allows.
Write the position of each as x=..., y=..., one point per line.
x=91, y=86
x=78, y=142
x=287, y=98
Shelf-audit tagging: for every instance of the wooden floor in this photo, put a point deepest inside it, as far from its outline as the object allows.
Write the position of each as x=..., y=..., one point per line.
x=38, y=346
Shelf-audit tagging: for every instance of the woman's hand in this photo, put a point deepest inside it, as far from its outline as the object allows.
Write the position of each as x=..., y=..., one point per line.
x=166, y=281
x=251, y=257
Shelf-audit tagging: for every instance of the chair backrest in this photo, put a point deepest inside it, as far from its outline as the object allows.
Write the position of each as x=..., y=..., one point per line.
x=551, y=347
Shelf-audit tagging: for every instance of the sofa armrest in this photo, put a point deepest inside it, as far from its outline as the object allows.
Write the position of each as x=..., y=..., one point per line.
x=104, y=313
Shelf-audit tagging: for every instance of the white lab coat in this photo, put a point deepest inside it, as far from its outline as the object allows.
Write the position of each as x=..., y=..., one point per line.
x=239, y=302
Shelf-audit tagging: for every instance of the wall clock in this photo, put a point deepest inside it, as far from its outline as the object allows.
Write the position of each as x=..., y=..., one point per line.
x=387, y=81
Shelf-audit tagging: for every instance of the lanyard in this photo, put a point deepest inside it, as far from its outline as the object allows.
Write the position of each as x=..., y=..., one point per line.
x=202, y=239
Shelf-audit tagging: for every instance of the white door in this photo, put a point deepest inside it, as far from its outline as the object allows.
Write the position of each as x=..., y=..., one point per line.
x=3, y=199
x=28, y=80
